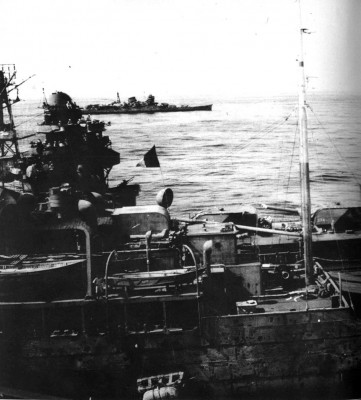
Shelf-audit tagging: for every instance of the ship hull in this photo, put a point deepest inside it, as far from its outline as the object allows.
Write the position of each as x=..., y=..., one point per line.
x=145, y=110
x=229, y=355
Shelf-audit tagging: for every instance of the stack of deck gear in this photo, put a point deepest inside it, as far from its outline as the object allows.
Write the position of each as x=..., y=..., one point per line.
x=150, y=100
x=133, y=102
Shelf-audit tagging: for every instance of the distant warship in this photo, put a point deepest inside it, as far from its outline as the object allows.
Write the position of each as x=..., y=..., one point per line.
x=133, y=106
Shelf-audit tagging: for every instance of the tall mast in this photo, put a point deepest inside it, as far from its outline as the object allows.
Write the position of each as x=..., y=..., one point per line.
x=8, y=144
x=304, y=164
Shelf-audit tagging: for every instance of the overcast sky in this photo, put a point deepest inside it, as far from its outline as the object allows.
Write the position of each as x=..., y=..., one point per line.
x=93, y=48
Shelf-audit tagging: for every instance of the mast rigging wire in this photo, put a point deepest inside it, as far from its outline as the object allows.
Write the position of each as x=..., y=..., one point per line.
x=334, y=146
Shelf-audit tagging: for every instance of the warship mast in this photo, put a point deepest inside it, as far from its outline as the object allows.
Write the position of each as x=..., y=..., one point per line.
x=8, y=139
x=304, y=164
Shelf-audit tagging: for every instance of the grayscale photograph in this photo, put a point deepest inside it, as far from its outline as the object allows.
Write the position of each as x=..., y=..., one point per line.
x=180, y=200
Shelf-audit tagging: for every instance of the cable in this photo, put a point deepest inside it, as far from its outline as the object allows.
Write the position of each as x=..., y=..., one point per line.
x=338, y=152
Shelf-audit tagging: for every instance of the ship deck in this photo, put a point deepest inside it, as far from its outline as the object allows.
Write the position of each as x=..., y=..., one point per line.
x=136, y=298
x=316, y=238
x=295, y=302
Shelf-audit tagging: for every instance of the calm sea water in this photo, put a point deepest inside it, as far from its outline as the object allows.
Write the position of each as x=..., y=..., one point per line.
x=244, y=151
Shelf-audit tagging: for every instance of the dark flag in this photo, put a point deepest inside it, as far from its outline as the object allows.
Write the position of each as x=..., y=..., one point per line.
x=150, y=159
